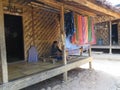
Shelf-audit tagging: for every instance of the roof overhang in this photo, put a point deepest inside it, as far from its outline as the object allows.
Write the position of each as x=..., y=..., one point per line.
x=91, y=7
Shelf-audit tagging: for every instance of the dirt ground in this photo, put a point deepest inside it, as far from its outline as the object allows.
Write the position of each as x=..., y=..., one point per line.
x=105, y=75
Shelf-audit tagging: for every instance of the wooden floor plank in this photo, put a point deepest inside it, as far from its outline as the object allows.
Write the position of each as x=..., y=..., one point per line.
x=22, y=69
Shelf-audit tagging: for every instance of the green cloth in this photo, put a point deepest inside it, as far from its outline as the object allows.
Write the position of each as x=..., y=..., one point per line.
x=89, y=29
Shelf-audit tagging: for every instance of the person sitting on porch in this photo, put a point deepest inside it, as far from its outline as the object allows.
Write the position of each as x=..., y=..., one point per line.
x=56, y=52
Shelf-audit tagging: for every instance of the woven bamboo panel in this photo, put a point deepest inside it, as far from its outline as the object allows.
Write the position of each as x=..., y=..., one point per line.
x=41, y=28
x=100, y=19
x=119, y=33
x=103, y=34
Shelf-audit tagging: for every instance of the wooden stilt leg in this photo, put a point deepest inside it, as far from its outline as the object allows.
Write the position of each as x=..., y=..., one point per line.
x=63, y=40
x=90, y=65
x=65, y=76
x=3, y=46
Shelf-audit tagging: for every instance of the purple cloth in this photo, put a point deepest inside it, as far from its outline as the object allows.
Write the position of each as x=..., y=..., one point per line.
x=32, y=54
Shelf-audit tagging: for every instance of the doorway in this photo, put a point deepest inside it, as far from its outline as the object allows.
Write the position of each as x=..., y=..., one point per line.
x=114, y=34
x=14, y=38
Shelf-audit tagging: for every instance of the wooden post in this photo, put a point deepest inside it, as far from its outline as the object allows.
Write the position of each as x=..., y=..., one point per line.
x=3, y=46
x=110, y=52
x=90, y=63
x=63, y=40
x=89, y=51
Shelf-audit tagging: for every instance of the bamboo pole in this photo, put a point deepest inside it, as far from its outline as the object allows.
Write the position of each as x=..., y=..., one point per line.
x=63, y=40
x=3, y=46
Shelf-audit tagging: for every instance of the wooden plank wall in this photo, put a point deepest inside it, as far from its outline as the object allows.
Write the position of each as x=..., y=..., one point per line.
x=41, y=30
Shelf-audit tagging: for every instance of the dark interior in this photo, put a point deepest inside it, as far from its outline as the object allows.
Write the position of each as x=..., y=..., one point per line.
x=101, y=50
x=114, y=34
x=14, y=38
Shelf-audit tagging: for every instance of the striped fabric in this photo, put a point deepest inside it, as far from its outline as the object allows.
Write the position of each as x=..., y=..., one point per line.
x=86, y=30
x=80, y=31
x=89, y=29
x=84, y=33
x=93, y=34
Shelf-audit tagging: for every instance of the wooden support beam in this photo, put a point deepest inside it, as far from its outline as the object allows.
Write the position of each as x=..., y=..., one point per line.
x=3, y=46
x=90, y=63
x=50, y=3
x=95, y=7
x=110, y=52
x=89, y=51
x=63, y=41
x=57, y=5
x=63, y=33
x=78, y=10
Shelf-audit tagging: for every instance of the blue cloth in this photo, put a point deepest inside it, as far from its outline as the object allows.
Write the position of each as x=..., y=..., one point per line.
x=71, y=46
x=58, y=58
x=32, y=54
x=69, y=24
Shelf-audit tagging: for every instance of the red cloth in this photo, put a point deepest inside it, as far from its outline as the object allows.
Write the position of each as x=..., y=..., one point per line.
x=86, y=30
x=74, y=39
x=80, y=31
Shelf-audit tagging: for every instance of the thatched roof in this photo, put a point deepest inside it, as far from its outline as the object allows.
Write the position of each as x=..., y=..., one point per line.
x=107, y=4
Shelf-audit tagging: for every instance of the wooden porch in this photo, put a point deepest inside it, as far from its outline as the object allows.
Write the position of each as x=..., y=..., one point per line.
x=108, y=47
x=105, y=47
x=24, y=74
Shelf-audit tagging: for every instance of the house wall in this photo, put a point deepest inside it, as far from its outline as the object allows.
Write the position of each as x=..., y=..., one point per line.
x=43, y=32
x=102, y=32
x=40, y=28
x=119, y=33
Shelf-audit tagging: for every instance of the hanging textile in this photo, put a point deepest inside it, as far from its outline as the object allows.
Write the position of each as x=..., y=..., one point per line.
x=89, y=29
x=93, y=34
x=69, y=24
x=76, y=28
x=80, y=31
x=75, y=37
x=85, y=30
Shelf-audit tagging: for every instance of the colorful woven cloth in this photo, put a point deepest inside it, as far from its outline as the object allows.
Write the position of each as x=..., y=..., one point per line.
x=80, y=31
x=89, y=29
x=84, y=30
x=93, y=34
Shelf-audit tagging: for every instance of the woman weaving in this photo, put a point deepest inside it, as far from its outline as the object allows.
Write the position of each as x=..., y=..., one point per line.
x=55, y=51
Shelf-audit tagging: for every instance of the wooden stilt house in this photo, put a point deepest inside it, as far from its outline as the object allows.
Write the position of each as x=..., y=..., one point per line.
x=107, y=31
x=38, y=23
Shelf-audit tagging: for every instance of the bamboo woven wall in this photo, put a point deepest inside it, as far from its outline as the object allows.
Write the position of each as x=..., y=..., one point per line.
x=102, y=33
x=41, y=28
x=119, y=33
